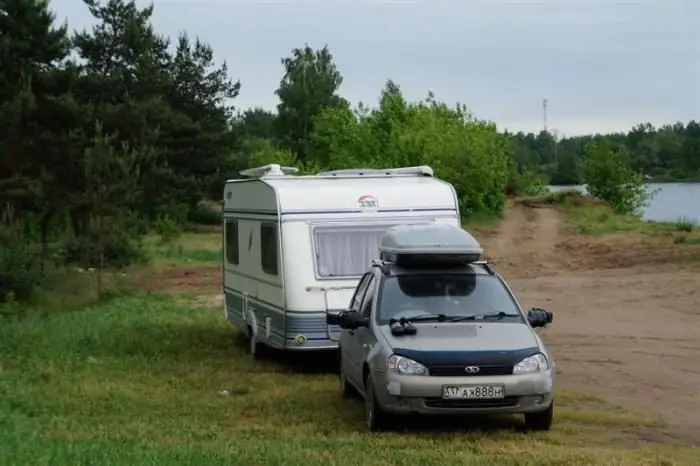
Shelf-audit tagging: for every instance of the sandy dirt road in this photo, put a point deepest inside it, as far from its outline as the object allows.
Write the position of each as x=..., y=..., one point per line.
x=629, y=335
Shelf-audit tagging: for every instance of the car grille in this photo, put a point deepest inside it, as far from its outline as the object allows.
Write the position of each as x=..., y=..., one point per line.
x=458, y=371
x=466, y=404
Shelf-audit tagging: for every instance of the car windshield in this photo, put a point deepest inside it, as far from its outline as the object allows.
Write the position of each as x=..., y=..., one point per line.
x=446, y=297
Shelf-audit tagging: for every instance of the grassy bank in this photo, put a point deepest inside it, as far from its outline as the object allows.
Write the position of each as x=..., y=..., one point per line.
x=600, y=220
x=592, y=217
x=148, y=379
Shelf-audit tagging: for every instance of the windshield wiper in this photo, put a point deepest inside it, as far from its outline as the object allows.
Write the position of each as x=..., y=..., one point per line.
x=452, y=318
x=492, y=315
x=420, y=318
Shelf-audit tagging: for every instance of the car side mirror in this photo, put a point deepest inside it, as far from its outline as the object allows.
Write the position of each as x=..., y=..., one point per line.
x=352, y=320
x=334, y=318
x=538, y=317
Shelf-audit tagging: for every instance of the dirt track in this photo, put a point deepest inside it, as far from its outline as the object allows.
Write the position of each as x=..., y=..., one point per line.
x=630, y=335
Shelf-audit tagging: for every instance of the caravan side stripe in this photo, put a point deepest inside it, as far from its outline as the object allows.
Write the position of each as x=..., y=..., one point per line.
x=233, y=271
x=260, y=302
x=312, y=324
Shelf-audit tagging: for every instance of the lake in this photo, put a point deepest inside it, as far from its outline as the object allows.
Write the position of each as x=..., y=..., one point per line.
x=671, y=202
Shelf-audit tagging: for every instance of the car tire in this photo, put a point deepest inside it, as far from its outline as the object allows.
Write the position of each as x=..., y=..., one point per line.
x=346, y=390
x=377, y=419
x=540, y=421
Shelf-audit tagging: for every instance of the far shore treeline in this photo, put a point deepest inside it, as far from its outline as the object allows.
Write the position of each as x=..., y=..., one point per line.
x=114, y=131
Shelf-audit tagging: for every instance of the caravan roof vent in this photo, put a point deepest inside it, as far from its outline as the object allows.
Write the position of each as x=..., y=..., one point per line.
x=272, y=169
x=422, y=170
x=429, y=246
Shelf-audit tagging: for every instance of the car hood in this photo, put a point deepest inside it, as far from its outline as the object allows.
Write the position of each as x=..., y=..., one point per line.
x=489, y=336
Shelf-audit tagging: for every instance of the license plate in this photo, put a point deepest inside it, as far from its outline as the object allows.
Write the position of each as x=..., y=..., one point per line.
x=473, y=392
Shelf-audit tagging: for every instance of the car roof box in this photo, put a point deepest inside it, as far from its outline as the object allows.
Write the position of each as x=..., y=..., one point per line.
x=431, y=245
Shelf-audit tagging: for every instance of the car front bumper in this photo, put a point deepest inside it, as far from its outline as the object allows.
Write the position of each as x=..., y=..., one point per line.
x=402, y=394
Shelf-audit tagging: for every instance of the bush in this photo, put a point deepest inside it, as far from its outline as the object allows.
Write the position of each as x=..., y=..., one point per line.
x=685, y=224
x=607, y=172
x=120, y=250
x=167, y=229
x=470, y=154
x=20, y=261
x=202, y=215
x=537, y=188
x=530, y=184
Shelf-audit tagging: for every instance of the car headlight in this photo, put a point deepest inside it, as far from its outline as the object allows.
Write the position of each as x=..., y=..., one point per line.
x=404, y=366
x=531, y=364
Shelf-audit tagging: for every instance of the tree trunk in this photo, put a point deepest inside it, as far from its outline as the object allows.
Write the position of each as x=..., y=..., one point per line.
x=44, y=238
x=80, y=220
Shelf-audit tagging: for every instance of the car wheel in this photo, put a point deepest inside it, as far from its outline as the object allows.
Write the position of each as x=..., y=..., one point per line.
x=377, y=419
x=541, y=420
x=345, y=389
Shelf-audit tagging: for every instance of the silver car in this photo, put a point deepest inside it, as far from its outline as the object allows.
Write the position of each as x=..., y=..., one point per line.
x=447, y=341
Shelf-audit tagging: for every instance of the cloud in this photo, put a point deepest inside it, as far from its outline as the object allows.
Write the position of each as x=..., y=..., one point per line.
x=603, y=65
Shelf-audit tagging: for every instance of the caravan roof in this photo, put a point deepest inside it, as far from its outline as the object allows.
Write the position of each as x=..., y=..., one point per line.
x=429, y=245
x=407, y=189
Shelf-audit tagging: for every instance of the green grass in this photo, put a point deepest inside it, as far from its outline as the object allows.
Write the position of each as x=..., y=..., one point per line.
x=189, y=249
x=687, y=239
x=137, y=380
x=591, y=217
x=600, y=220
x=481, y=222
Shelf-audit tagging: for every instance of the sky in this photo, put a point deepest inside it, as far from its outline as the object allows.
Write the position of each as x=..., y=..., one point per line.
x=602, y=65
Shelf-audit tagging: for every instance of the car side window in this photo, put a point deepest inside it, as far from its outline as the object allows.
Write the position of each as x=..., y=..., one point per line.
x=360, y=292
x=366, y=307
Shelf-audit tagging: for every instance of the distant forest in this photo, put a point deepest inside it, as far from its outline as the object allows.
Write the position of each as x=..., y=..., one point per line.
x=663, y=154
x=667, y=153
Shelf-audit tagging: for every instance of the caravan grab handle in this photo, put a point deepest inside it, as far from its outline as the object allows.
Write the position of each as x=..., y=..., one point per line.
x=324, y=289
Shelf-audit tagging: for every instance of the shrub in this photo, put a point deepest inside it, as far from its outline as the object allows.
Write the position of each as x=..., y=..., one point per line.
x=684, y=224
x=120, y=250
x=202, y=215
x=167, y=229
x=470, y=154
x=608, y=175
x=20, y=264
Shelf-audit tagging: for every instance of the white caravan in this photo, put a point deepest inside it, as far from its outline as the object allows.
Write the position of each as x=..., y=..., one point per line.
x=296, y=246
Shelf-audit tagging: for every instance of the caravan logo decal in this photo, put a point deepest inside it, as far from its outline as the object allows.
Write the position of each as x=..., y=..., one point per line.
x=368, y=202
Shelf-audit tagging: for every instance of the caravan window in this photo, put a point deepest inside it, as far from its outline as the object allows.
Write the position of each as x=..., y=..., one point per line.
x=346, y=251
x=231, y=246
x=268, y=248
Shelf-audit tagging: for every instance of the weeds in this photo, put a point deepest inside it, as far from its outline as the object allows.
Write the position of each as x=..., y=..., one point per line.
x=686, y=225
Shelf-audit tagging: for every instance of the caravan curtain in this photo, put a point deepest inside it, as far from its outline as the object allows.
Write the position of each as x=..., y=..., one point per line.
x=346, y=252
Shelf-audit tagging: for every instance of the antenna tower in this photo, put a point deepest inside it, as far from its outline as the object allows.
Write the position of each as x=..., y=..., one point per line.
x=544, y=112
